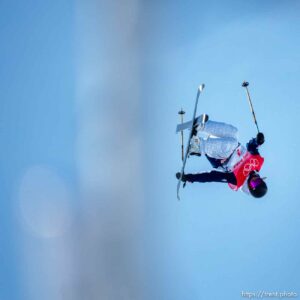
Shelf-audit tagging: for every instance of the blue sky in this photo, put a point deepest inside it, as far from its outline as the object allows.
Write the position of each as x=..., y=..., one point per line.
x=90, y=92
x=37, y=113
x=216, y=243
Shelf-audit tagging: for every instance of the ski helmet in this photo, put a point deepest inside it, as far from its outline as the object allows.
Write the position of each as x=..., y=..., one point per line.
x=257, y=186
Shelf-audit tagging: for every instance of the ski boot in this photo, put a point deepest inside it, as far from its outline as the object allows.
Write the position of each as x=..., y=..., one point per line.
x=195, y=140
x=195, y=146
x=200, y=126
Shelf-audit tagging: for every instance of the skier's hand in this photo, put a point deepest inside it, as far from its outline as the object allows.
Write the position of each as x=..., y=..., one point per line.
x=260, y=138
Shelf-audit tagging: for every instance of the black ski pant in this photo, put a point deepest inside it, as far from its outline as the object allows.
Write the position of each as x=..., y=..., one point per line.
x=212, y=176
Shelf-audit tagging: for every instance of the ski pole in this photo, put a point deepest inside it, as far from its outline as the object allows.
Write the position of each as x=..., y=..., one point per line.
x=181, y=113
x=245, y=85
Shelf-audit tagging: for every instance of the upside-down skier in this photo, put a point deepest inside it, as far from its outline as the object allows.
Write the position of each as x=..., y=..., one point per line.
x=232, y=162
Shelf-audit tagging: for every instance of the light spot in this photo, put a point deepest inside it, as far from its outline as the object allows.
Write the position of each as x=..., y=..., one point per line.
x=45, y=202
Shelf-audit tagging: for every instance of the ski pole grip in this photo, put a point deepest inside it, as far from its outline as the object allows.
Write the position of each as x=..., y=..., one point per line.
x=201, y=87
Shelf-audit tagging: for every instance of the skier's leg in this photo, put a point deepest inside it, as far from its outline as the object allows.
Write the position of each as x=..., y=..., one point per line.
x=219, y=129
x=219, y=148
x=212, y=176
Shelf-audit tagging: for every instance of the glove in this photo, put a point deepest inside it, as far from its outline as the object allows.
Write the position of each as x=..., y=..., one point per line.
x=260, y=138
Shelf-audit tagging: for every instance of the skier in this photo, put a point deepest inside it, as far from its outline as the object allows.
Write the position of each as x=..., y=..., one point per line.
x=233, y=163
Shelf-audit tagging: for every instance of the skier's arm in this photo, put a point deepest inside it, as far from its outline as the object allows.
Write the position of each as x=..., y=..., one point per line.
x=213, y=176
x=254, y=143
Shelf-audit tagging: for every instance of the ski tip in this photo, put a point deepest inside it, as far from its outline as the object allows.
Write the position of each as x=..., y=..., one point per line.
x=201, y=87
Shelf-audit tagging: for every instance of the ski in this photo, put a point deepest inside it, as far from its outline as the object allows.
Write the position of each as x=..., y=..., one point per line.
x=188, y=124
x=200, y=89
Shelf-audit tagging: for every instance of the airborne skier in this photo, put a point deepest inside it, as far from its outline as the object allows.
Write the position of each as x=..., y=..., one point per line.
x=233, y=163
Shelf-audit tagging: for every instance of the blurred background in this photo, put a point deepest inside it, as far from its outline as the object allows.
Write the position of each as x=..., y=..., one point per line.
x=90, y=93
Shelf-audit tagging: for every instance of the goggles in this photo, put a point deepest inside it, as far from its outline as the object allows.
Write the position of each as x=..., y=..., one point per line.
x=255, y=182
